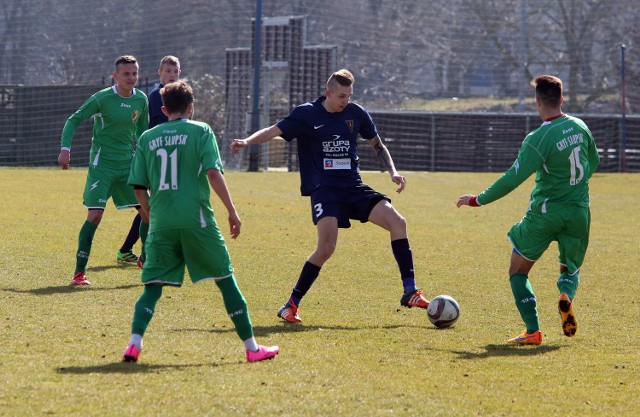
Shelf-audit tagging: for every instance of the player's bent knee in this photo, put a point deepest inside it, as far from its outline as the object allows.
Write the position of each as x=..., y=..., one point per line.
x=325, y=251
x=397, y=225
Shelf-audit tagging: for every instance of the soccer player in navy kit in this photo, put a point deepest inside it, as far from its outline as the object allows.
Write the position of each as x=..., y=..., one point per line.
x=327, y=131
x=168, y=72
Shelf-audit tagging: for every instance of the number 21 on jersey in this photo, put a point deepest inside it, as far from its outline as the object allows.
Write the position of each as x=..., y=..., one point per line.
x=169, y=162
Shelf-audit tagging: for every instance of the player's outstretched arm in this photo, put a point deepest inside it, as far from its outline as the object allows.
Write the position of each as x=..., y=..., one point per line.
x=382, y=152
x=219, y=185
x=261, y=136
x=468, y=200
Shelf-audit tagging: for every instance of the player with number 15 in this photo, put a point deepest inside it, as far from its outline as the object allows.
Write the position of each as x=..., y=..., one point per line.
x=563, y=155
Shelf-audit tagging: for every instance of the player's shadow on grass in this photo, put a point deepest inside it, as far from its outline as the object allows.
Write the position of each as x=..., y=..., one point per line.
x=297, y=328
x=492, y=351
x=68, y=289
x=133, y=368
x=100, y=268
x=263, y=331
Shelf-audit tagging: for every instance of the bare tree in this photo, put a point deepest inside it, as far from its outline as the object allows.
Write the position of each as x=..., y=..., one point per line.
x=396, y=48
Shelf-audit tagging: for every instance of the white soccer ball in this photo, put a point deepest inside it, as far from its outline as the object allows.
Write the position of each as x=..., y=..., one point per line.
x=443, y=311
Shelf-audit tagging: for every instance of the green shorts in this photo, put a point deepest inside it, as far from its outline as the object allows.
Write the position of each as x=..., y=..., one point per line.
x=106, y=182
x=568, y=226
x=202, y=250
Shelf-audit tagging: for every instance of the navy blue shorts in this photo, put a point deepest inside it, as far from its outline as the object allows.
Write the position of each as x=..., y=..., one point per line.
x=345, y=203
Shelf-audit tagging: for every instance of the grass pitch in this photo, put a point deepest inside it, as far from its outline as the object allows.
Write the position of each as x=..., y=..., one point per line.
x=357, y=352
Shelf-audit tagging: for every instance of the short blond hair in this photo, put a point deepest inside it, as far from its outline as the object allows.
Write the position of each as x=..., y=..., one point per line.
x=170, y=60
x=344, y=77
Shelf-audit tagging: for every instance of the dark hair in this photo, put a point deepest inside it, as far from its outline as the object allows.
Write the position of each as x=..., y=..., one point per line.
x=342, y=77
x=125, y=59
x=548, y=89
x=176, y=96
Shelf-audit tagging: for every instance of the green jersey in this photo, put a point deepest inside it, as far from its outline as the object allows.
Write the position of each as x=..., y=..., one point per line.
x=171, y=161
x=117, y=123
x=563, y=155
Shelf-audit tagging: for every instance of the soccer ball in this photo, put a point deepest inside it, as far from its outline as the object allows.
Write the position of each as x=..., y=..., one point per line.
x=443, y=311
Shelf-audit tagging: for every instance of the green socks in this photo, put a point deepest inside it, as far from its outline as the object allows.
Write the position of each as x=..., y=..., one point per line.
x=568, y=284
x=145, y=307
x=236, y=307
x=144, y=231
x=234, y=303
x=85, y=240
x=525, y=301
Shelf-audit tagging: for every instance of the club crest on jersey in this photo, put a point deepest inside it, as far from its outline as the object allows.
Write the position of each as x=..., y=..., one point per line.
x=134, y=116
x=349, y=125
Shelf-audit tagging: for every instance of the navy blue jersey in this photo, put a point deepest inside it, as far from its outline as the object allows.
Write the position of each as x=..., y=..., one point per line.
x=156, y=116
x=327, y=143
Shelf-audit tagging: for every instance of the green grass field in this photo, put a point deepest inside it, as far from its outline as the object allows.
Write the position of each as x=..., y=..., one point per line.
x=357, y=353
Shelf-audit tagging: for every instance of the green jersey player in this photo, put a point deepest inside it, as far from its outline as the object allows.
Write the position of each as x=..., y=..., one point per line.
x=120, y=115
x=563, y=155
x=175, y=162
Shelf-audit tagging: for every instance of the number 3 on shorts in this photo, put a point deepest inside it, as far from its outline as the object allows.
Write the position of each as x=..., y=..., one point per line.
x=319, y=210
